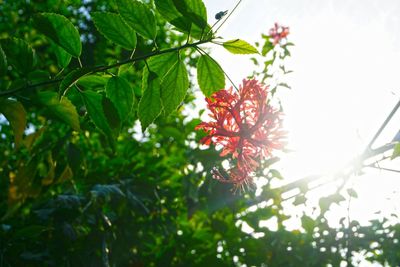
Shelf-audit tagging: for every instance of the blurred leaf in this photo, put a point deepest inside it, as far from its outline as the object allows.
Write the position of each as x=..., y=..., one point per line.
x=210, y=75
x=352, y=193
x=150, y=103
x=3, y=62
x=174, y=86
x=120, y=92
x=62, y=109
x=276, y=174
x=396, y=151
x=300, y=199
x=59, y=29
x=107, y=190
x=32, y=231
x=74, y=157
x=137, y=15
x=239, y=47
x=16, y=115
x=308, y=224
x=65, y=175
x=115, y=29
x=268, y=46
x=19, y=54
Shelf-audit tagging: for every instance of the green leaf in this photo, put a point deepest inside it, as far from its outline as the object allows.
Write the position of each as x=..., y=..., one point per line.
x=139, y=17
x=396, y=151
x=352, y=193
x=3, y=62
x=150, y=103
x=102, y=113
x=210, y=75
x=63, y=58
x=115, y=29
x=161, y=64
x=93, y=81
x=194, y=10
x=169, y=12
x=71, y=78
x=121, y=94
x=16, y=115
x=174, y=86
x=308, y=224
x=62, y=109
x=19, y=54
x=59, y=29
x=239, y=47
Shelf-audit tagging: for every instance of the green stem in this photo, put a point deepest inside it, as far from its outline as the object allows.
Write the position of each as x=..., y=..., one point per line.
x=107, y=67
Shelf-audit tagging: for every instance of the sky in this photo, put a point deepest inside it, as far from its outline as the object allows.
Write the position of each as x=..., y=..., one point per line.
x=345, y=83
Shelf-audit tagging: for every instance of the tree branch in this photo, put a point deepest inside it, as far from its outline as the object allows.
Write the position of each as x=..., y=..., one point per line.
x=105, y=67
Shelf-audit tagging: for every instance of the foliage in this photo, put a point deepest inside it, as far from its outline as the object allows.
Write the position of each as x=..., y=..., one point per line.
x=83, y=185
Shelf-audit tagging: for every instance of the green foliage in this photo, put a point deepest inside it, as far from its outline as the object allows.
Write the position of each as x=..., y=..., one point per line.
x=150, y=103
x=86, y=187
x=396, y=151
x=115, y=29
x=16, y=115
x=173, y=86
x=139, y=17
x=210, y=75
x=239, y=47
x=103, y=113
x=3, y=62
x=62, y=109
x=18, y=54
x=71, y=78
x=121, y=94
x=59, y=29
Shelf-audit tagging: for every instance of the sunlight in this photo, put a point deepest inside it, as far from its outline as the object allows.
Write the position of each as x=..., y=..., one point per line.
x=344, y=85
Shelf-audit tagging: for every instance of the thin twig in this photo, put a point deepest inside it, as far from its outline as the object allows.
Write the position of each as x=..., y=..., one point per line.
x=227, y=17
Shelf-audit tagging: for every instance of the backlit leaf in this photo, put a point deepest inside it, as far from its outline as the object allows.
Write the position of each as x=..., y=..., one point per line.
x=239, y=47
x=62, y=109
x=150, y=104
x=174, y=86
x=100, y=112
x=16, y=115
x=210, y=75
x=139, y=17
x=115, y=29
x=396, y=151
x=121, y=94
x=59, y=29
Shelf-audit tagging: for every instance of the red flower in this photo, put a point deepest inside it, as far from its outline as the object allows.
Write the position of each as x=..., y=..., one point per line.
x=278, y=32
x=246, y=127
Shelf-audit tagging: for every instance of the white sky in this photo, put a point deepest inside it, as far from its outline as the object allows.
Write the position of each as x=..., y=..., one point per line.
x=346, y=61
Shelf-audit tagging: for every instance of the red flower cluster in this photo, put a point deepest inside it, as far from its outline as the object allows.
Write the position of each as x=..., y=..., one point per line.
x=278, y=32
x=246, y=126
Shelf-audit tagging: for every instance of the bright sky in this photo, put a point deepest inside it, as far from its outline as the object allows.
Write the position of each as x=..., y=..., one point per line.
x=345, y=82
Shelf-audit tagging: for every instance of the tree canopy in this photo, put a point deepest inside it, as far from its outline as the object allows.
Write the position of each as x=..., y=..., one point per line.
x=100, y=165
